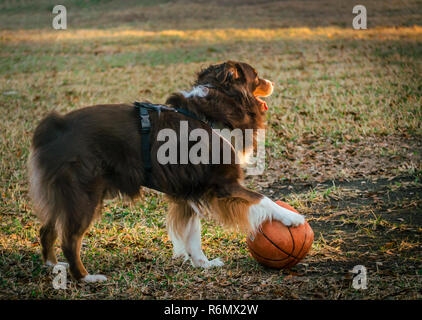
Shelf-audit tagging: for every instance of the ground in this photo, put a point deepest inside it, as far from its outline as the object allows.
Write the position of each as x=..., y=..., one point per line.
x=344, y=141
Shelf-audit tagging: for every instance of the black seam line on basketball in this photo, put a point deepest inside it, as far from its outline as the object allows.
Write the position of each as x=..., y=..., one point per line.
x=288, y=254
x=293, y=250
x=278, y=260
x=293, y=240
x=298, y=255
x=303, y=245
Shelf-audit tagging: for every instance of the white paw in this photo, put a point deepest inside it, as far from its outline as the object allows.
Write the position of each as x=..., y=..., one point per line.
x=94, y=278
x=207, y=264
x=287, y=217
x=51, y=264
x=215, y=263
x=292, y=219
x=266, y=209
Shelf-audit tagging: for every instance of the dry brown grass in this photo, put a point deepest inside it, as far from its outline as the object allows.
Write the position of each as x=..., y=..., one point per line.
x=347, y=106
x=216, y=35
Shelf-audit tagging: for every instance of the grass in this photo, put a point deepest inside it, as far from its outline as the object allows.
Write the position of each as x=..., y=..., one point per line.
x=343, y=143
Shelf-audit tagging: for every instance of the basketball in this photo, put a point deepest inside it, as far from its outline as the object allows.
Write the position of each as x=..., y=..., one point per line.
x=276, y=246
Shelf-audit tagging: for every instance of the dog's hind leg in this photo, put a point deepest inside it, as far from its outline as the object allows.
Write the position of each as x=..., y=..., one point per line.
x=72, y=234
x=79, y=206
x=48, y=235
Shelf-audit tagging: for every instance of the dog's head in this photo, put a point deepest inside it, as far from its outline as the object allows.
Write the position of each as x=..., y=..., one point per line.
x=237, y=79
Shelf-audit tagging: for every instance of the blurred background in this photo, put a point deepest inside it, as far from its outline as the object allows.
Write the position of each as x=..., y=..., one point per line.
x=185, y=14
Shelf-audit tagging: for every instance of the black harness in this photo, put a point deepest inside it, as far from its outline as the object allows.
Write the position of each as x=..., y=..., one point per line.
x=143, y=109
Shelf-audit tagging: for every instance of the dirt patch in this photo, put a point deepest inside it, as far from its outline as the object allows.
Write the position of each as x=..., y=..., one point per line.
x=378, y=226
x=310, y=160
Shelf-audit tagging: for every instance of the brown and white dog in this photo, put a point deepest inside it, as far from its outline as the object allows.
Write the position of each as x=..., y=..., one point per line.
x=79, y=158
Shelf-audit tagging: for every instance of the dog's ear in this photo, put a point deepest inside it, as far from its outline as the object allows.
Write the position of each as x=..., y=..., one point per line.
x=227, y=73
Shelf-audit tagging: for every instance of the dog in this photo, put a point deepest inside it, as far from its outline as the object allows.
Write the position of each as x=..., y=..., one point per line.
x=87, y=155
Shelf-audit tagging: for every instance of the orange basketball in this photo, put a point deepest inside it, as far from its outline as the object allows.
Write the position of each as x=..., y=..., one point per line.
x=277, y=246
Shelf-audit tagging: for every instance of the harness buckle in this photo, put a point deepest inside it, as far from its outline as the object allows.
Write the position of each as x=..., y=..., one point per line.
x=145, y=123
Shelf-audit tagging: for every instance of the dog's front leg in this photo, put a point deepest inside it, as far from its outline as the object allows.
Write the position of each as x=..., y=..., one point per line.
x=266, y=209
x=188, y=244
x=193, y=246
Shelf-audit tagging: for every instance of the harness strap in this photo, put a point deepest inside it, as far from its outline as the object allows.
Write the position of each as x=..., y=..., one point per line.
x=160, y=107
x=143, y=108
x=145, y=146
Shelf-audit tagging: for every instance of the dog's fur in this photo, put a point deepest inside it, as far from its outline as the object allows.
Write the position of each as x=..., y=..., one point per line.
x=80, y=158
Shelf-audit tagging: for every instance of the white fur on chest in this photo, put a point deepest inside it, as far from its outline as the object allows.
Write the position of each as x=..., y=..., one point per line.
x=198, y=91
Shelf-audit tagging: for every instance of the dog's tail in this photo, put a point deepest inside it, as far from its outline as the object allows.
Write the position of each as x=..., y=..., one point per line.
x=53, y=190
x=49, y=130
